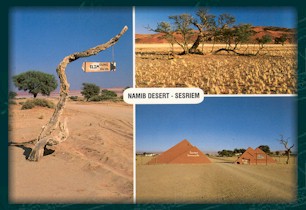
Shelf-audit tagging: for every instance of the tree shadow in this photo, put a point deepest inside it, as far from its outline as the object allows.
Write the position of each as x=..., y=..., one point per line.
x=28, y=150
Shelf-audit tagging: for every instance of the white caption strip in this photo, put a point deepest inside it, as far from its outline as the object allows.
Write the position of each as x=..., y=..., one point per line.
x=163, y=95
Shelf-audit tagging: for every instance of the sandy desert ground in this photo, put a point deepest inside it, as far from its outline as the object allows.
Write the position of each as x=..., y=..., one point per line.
x=94, y=165
x=217, y=182
x=272, y=71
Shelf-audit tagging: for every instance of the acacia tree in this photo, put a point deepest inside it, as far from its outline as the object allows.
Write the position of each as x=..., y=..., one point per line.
x=35, y=82
x=179, y=31
x=203, y=22
x=262, y=41
x=288, y=149
x=48, y=136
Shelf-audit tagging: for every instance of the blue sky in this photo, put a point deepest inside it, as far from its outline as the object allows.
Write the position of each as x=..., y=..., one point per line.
x=41, y=37
x=257, y=16
x=217, y=123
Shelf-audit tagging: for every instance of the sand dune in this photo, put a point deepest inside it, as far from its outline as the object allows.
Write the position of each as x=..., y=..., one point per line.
x=94, y=165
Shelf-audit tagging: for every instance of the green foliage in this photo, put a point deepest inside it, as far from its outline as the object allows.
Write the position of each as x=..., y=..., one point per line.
x=29, y=104
x=12, y=95
x=242, y=33
x=264, y=40
x=280, y=40
x=105, y=95
x=96, y=98
x=35, y=82
x=230, y=153
x=265, y=148
x=239, y=150
x=108, y=94
x=226, y=153
x=90, y=90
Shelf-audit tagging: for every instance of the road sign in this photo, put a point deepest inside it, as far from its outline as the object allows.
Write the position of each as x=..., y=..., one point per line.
x=99, y=66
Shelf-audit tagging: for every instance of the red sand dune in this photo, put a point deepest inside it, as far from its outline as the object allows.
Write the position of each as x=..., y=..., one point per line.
x=181, y=153
x=260, y=31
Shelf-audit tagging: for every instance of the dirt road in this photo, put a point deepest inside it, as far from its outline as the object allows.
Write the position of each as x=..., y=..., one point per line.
x=94, y=165
x=218, y=182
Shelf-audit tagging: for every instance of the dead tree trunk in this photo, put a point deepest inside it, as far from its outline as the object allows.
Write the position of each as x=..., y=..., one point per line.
x=288, y=149
x=48, y=136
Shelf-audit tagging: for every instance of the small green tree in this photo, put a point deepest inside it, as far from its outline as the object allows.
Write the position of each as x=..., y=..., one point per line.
x=281, y=39
x=264, y=40
x=35, y=82
x=89, y=90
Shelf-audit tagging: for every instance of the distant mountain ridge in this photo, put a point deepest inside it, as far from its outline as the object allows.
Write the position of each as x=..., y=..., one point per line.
x=273, y=31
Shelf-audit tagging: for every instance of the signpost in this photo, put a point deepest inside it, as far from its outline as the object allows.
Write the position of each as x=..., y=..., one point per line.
x=99, y=66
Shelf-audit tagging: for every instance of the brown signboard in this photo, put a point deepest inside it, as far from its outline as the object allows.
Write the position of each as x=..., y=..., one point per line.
x=99, y=66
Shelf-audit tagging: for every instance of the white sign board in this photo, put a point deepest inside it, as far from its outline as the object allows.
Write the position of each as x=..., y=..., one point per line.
x=99, y=66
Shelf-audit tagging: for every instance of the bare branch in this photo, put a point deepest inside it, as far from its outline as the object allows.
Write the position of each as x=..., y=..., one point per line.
x=46, y=136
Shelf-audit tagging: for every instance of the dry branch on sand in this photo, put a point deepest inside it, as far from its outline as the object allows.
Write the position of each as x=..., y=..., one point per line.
x=48, y=135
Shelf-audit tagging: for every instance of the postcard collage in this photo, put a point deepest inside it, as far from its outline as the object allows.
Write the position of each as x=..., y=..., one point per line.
x=153, y=105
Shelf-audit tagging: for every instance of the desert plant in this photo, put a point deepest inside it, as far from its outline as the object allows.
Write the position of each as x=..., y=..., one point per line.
x=74, y=98
x=108, y=93
x=89, y=90
x=35, y=82
x=288, y=149
x=265, y=148
x=12, y=95
x=29, y=104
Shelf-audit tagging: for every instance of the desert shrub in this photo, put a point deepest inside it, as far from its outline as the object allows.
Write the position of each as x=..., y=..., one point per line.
x=73, y=98
x=12, y=95
x=43, y=103
x=108, y=94
x=96, y=98
x=29, y=104
x=90, y=90
x=12, y=102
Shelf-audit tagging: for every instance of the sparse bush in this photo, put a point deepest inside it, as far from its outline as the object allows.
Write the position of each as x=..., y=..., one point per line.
x=73, y=98
x=89, y=90
x=12, y=102
x=108, y=94
x=29, y=104
x=104, y=96
x=43, y=103
x=12, y=95
x=95, y=98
